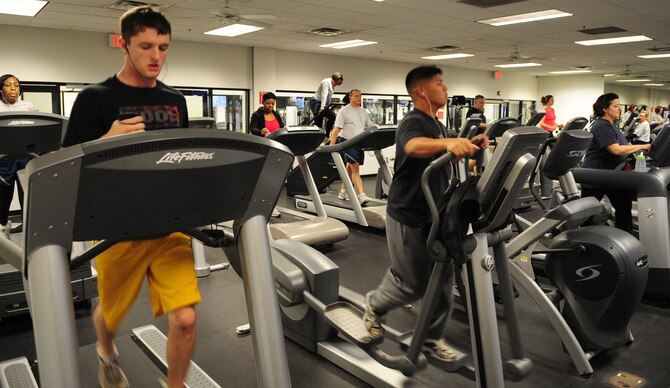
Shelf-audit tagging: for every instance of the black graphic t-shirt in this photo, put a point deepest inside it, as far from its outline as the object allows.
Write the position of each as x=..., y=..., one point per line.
x=406, y=203
x=97, y=106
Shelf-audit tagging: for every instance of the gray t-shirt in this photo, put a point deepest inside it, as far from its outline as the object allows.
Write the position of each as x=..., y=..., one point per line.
x=352, y=121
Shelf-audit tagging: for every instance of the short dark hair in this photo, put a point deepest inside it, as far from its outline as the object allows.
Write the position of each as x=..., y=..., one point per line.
x=602, y=103
x=418, y=74
x=138, y=19
x=268, y=96
x=545, y=99
x=479, y=97
x=5, y=77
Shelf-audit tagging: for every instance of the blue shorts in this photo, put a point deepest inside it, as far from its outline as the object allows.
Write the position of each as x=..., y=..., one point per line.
x=8, y=170
x=352, y=154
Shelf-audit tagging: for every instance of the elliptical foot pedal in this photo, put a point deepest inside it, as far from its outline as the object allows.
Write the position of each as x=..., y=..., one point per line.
x=447, y=366
x=348, y=321
x=152, y=341
x=17, y=373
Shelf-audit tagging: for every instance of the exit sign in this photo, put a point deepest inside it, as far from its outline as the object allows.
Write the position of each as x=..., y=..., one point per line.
x=114, y=40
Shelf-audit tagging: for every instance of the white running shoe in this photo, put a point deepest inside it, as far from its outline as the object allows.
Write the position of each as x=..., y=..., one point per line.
x=362, y=198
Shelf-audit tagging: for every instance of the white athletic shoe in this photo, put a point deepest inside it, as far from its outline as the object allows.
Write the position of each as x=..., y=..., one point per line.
x=343, y=195
x=6, y=229
x=362, y=198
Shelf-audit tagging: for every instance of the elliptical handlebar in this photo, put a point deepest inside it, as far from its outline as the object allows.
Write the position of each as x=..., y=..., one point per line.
x=432, y=204
x=550, y=141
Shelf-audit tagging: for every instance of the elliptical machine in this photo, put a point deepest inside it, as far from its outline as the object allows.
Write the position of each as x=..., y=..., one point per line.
x=314, y=312
x=599, y=272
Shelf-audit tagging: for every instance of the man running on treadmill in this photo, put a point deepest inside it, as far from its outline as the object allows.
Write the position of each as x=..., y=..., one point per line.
x=319, y=102
x=352, y=120
x=420, y=139
x=134, y=100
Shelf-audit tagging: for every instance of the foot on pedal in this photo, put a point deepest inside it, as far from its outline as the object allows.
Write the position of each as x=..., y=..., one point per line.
x=439, y=349
x=372, y=323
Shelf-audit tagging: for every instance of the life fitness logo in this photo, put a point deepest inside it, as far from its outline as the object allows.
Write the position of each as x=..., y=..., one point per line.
x=178, y=157
x=587, y=273
x=21, y=122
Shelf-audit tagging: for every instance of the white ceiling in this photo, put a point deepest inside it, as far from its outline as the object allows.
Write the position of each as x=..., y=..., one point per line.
x=405, y=29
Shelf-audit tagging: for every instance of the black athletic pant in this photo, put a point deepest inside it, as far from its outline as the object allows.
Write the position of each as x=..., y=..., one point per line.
x=622, y=202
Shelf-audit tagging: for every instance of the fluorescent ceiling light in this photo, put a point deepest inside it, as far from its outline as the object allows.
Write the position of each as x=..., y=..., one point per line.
x=528, y=64
x=525, y=17
x=21, y=7
x=622, y=39
x=348, y=44
x=654, y=84
x=652, y=56
x=448, y=56
x=233, y=30
x=570, y=71
x=633, y=80
x=609, y=75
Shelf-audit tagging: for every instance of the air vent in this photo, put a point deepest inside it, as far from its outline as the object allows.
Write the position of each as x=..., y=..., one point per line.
x=125, y=5
x=660, y=49
x=489, y=3
x=444, y=48
x=601, y=30
x=327, y=31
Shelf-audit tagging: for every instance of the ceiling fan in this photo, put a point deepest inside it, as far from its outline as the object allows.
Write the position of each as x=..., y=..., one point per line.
x=627, y=72
x=233, y=15
x=516, y=56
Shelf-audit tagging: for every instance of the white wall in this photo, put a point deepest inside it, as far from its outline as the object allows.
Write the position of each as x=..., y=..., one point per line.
x=640, y=96
x=50, y=55
x=574, y=94
x=304, y=71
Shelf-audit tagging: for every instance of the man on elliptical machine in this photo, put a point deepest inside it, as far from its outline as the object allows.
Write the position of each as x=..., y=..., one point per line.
x=420, y=139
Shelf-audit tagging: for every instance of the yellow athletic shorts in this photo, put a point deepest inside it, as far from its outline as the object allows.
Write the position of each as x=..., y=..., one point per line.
x=166, y=262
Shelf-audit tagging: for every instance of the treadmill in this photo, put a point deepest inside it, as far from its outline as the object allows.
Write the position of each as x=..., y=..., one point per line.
x=373, y=213
x=26, y=135
x=319, y=230
x=64, y=189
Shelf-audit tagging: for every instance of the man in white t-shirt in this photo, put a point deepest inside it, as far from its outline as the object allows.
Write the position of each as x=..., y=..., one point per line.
x=319, y=102
x=352, y=120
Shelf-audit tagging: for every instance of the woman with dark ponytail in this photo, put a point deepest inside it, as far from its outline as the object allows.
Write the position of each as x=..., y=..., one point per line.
x=548, y=122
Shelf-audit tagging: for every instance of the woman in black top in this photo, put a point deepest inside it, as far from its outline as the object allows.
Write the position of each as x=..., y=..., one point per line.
x=266, y=119
x=607, y=150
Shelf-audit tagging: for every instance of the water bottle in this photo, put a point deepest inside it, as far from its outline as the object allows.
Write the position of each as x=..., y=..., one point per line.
x=640, y=163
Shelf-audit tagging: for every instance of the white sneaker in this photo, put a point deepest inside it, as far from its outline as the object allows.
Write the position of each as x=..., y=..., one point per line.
x=275, y=213
x=439, y=349
x=6, y=229
x=343, y=195
x=110, y=375
x=362, y=198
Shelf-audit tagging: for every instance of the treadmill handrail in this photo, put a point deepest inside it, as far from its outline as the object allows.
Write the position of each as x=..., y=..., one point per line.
x=356, y=140
x=50, y=220
x=653, y=183
x=300, y=140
